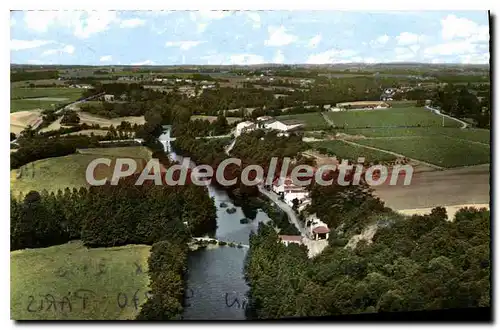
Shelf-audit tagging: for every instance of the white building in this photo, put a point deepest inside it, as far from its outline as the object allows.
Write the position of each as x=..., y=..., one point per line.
x=244, y=126
x=109, y=97
x=316, y=229
x=290, y=239
x=289, y=191
x=283, y=125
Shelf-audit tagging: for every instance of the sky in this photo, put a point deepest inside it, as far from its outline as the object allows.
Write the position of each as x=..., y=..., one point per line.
x=247, y=37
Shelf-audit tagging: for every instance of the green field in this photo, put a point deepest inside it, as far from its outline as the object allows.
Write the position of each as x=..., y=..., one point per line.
x=68, y=171
x=392, y=117
x=402, y=104
x=26, y=83
x=71, y=282
x=29, y=98
x=70, y=93
x=312, y=120
x=477, y=135
x=438, y=150
x=351, y=152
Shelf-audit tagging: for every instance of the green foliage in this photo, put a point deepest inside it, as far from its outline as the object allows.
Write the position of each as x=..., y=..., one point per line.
x=20, y=75
x=413, y=263
x=70, y=118
x=167, y=265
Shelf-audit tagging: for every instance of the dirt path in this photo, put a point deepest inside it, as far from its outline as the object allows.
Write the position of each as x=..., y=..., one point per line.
x=328, y=120
x=393, y=153
x=437, y=112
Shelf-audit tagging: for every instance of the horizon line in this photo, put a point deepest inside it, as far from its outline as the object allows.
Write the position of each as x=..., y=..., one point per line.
x=259, y=64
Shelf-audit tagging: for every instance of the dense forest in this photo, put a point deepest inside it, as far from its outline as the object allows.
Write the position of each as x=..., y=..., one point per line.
x=415, y=263
x=461, y=102
x=106, y=216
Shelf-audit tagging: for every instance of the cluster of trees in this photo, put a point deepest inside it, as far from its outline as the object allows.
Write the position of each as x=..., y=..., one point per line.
x=258, y=147
x=111, y=215
x=70, y=117
x=414, y=263
x=20, y=75
x=106, y=216
x=32, y=149
x=201, y=151
x=202, y=127
x=462, y=103
x=166, y=268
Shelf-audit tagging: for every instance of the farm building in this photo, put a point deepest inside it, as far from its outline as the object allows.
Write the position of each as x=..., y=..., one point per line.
x=289, y=191
x=244, y=126
x=316, y=228
x=290, y=239
x=283, y=125
x=363, y=105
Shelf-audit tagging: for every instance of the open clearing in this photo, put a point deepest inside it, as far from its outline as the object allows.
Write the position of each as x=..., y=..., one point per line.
x=89, y=132
x=392, y=117
x=26, y=83
x=438, y=150
x=468, y=185
x=69, y=171
x=312, y=120
x=71, y=282
x=72, y=94
x=20, y=120
x=41, y=98
x=89, y=119
x=349, y=152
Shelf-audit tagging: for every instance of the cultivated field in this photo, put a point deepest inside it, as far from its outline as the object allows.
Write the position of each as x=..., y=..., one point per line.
x=312, y=120
x=68, y=93
x=41, y=98
x=90, y=119
x=22, y=119
x=443, y=151
x=71, y=282
x=43, y=82
x=396, y=117
x=349, y=152
x=476, y=135
x=57, y=173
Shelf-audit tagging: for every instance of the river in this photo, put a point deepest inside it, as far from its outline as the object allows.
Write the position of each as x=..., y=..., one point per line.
x=216, y=288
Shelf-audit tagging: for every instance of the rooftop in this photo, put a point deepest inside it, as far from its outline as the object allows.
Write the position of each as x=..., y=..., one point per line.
x=321, y=230
x=292, y=238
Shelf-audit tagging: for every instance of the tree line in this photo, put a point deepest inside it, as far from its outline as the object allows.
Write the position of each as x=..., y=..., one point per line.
x=412, y=263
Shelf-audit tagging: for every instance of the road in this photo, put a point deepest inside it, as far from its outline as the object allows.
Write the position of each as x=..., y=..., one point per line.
x=468, y=185
x=285, y=207
x=328, y=120
x=437, y=112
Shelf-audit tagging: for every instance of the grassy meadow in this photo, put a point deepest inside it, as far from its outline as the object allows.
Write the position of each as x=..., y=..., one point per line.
x=69, y=171
x=41, y=98
x=71, y=282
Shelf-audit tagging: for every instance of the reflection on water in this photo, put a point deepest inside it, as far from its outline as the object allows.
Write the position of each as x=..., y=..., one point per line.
x=215, y=282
